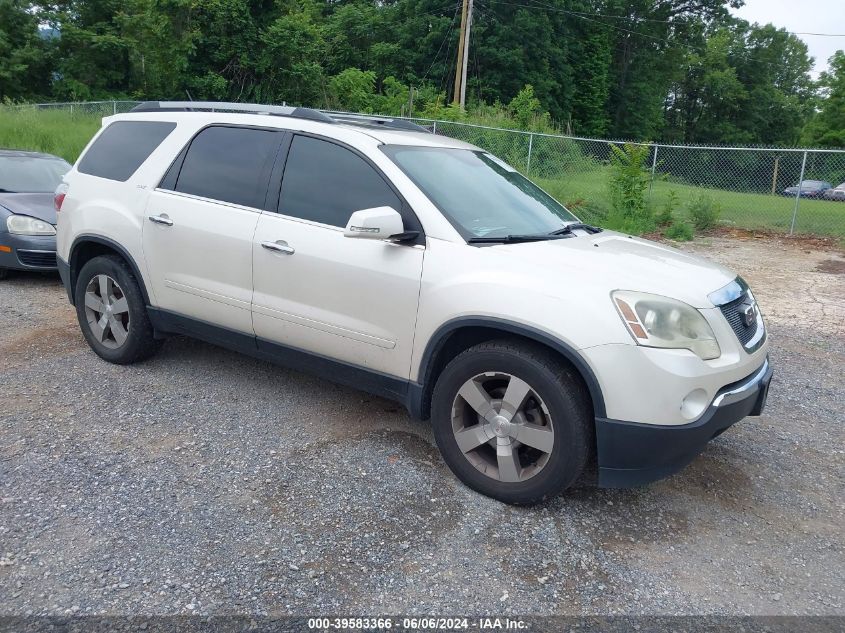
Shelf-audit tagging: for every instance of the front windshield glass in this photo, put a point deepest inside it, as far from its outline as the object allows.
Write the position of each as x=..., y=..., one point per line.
x=31, y=174
x=478, y=193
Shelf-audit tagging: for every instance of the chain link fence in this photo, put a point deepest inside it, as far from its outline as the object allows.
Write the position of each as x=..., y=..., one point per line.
x=750, y=188
x=93, y=108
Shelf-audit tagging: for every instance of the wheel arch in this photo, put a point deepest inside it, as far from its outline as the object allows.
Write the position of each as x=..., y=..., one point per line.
x=86, y=247
x=462, y=333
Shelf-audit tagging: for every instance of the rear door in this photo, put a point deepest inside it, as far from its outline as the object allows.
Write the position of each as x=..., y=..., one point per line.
x=200, y=222
x=353, y=300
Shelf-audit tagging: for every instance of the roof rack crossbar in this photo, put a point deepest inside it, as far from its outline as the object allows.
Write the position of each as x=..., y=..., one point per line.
x=224, y=106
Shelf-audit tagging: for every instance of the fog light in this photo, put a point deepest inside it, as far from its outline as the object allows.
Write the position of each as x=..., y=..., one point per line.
x=694, y=404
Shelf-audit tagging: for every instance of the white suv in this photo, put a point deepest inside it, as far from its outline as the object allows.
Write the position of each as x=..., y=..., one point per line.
x=418, y=268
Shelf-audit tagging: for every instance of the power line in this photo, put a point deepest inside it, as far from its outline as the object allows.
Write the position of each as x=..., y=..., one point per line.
x=817, y=34
x=445, y=39
x=443, y=83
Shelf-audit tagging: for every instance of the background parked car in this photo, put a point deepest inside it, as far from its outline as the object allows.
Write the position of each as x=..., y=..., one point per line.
x=28, y=181
x=809, y=189
x=837, y=193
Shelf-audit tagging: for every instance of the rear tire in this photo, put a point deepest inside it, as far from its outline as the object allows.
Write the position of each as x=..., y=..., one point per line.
x=512, y=421
x=112, y=313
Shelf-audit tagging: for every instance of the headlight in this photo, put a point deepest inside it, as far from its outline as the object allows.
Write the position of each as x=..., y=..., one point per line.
x=656, y=321
x=25, y=225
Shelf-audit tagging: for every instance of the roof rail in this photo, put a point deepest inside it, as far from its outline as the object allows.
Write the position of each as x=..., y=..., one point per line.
x=378, y=121
x=223, y=106
x=275, y=110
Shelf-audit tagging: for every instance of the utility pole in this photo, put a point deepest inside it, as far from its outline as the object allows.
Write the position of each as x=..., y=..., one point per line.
x=459, y=98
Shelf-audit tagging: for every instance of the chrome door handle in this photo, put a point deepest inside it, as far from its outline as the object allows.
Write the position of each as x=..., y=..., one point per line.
x=161, y=219
x=279, y=246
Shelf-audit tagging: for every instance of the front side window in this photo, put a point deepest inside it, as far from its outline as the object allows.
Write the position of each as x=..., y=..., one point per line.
x=229, y=164
x=326, y=183
x=23, y=173
x=123, y=147
x=482, y=196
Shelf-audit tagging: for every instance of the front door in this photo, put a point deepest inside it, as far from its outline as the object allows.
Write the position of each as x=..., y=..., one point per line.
x=353, y=300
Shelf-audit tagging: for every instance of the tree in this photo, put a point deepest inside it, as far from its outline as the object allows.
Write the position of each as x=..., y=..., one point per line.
x=24, y=54
x=353, y=90
x=682, y=70
x=748, y=85
x=827, y=127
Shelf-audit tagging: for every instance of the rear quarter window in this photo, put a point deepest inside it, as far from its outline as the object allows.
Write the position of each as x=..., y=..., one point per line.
x=123, y=147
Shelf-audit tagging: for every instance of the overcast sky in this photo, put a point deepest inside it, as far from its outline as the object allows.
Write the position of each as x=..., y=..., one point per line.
x=815, y=16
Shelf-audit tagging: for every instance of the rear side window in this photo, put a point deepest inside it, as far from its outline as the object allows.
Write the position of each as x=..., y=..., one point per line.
x=123, y=147
x=326, y=183
x=229, y=164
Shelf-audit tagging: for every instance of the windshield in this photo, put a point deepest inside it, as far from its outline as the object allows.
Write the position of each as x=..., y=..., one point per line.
x=479, y=194
x=31, y=174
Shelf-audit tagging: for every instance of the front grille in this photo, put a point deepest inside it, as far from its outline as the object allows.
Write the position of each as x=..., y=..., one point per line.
x=41, y=259
x=733, y=314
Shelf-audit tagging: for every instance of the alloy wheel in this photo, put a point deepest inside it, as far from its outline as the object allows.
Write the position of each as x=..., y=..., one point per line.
x=502, y=426
x=107, y=311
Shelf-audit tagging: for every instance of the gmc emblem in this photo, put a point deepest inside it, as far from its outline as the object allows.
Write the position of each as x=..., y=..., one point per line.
x=746, y=311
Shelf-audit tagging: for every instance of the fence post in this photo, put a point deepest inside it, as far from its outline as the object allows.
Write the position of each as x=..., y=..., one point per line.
x=798, y=194
x=775, y=176
x=530, y=146
x=653, y=169
x=114, y=107
x=434, y=128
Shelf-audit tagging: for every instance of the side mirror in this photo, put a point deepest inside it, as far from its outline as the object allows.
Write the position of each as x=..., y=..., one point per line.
x=380, y=223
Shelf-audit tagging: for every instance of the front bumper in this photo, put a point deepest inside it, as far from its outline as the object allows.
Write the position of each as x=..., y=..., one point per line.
x=27, y=252
x=633, y=454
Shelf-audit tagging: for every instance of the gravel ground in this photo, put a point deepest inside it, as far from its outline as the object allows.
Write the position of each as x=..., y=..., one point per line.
x=207, y=482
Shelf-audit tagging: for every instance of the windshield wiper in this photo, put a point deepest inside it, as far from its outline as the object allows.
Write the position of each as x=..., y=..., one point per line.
x=6, y=191
x=577, y=225
x=513, y=239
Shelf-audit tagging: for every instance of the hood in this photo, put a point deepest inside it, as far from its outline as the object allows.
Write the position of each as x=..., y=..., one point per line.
x=619, y=262
x=37, y=205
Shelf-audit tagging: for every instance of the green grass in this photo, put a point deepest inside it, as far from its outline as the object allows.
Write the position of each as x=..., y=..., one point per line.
x=587, y=193
x=51, y=131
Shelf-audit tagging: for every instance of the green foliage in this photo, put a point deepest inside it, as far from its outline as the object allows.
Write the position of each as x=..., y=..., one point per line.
x=24, y=61
x=679, y=231
x=353, y=90
x=827, y=128
x=744, y=84
x=704, y=212
x=628, y=184
x=680, y=69
x=665, y=216
x=526, y=110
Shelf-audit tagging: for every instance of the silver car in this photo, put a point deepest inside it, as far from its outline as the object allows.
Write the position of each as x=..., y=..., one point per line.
x=837, y=193
x=28, y=181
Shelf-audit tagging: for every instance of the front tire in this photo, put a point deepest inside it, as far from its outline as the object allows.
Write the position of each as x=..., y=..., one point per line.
x=112, y=313
x=512, y=421
x=4, y=273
